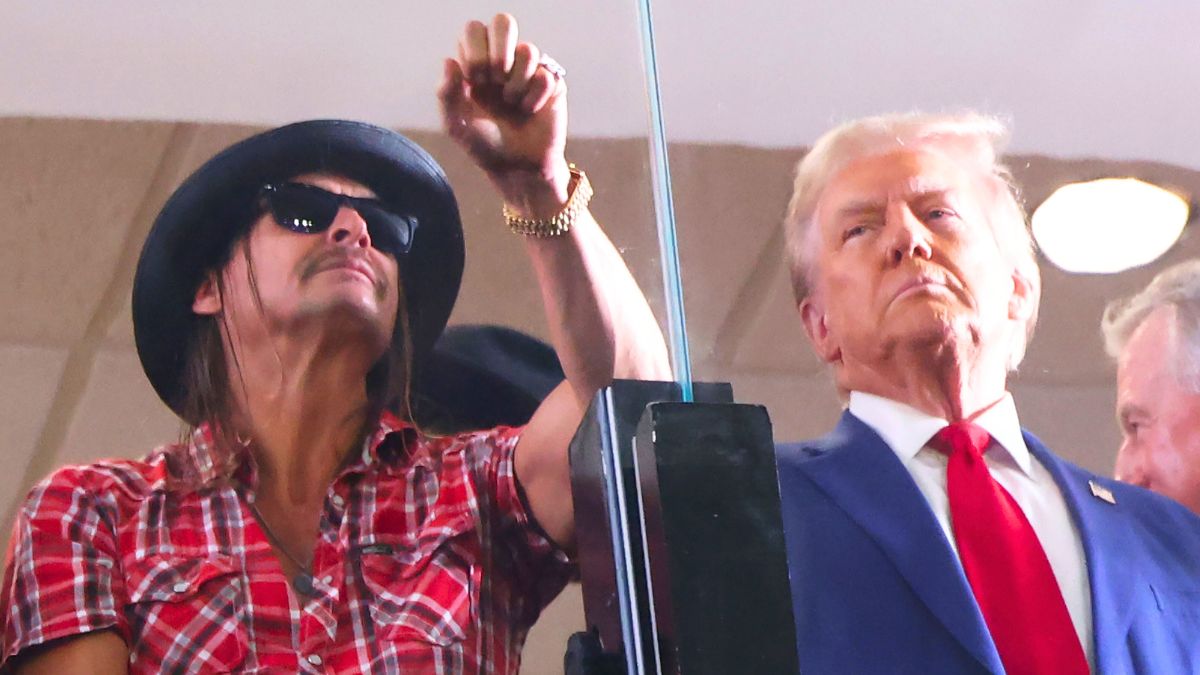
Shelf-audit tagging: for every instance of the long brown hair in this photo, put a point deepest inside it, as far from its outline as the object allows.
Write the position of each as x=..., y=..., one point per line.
x=207, y=393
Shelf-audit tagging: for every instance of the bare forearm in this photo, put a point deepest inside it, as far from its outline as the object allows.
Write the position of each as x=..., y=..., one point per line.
x=602, y=328
x=600, y=322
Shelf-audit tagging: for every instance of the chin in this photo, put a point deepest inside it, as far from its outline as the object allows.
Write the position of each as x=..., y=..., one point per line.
x=938, y=332
x=930, y=323
x=354, y=314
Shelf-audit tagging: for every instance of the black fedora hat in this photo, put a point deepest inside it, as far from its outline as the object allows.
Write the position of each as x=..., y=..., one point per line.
x=215, y=205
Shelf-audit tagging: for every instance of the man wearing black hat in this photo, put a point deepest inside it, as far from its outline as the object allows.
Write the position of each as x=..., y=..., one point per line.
x=286, y=297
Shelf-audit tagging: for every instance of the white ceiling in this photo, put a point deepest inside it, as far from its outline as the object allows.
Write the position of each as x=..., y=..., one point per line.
x=1110, y=78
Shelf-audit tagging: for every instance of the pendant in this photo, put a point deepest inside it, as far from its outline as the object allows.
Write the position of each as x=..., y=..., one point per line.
x=303, y=583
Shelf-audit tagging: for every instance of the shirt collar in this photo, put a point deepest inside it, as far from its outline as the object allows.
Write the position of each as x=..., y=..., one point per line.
x=907, y=430
x=206, y=459
x=392, y=437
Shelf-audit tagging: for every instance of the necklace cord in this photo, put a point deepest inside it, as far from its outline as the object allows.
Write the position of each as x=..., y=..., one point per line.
x=303, y=567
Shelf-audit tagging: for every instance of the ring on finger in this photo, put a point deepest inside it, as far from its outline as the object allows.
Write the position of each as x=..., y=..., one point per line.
x=553, y=67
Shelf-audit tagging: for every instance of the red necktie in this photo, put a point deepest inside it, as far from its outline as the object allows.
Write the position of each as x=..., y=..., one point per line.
x=1005, y=564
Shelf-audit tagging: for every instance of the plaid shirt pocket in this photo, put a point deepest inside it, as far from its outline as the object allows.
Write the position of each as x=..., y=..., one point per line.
x=187, y=614
x=423, y=594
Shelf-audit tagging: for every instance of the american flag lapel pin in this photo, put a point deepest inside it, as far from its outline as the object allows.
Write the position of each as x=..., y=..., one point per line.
x=1101, y=492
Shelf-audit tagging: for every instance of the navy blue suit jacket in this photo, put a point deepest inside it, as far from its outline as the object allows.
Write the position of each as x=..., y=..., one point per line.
x=877, y=588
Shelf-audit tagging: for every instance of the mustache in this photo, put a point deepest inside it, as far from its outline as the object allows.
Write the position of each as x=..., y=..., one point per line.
x=331, y=259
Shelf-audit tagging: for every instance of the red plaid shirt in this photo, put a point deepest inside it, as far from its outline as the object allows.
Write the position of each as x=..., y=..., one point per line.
x=427, y=562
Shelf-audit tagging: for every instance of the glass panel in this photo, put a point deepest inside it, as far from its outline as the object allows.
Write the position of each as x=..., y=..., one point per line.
x=104, y=108
x=1090, y=92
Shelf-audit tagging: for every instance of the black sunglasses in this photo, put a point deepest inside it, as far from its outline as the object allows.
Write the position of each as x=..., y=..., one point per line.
x=308, y=209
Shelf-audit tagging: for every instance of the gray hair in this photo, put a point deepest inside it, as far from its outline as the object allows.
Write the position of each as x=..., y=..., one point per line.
x=972, y=138
x=1177, y=287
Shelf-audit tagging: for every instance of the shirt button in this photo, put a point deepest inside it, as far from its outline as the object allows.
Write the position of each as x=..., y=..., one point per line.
x=327, y=580
x=180, y=587
x=338, y=501
x=313, y=659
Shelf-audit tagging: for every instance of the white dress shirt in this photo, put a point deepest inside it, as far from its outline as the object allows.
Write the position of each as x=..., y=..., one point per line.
x=908, y=431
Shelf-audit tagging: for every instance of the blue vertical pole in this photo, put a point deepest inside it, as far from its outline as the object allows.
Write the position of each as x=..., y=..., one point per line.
x=664, y=207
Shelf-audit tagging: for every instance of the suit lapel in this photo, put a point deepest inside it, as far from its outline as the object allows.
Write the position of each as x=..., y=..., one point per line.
x=1110, y=549
x=865, y=478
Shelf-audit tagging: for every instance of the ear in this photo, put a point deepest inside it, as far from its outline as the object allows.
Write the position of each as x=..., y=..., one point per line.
x=817, y=327
x=208, y=296
x=1021, y=303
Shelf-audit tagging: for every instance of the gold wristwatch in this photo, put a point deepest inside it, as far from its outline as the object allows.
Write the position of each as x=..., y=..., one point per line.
x=581, y=194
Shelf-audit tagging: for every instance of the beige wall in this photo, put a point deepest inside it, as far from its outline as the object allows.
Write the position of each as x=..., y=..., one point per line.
x=77, y=198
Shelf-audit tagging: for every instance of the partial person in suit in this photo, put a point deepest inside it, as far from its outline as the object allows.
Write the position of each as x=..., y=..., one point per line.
x=928, y=532
x=1154, y=336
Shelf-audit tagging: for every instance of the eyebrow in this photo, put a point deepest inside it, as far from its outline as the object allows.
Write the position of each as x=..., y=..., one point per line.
x=1128, y=410
x=861, y=207
x=916, y=191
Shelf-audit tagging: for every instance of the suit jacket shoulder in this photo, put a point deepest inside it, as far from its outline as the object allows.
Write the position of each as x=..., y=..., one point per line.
x=1168, y=530
x=1143, y=557
x=877, y=588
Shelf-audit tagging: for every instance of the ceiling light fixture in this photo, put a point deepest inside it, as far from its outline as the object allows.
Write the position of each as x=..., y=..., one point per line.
x=1108, y=225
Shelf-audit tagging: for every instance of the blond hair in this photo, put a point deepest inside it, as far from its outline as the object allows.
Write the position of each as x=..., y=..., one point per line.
x=973, y=139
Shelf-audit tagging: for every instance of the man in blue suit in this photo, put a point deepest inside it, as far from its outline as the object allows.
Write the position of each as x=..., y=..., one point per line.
x=929, y=533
